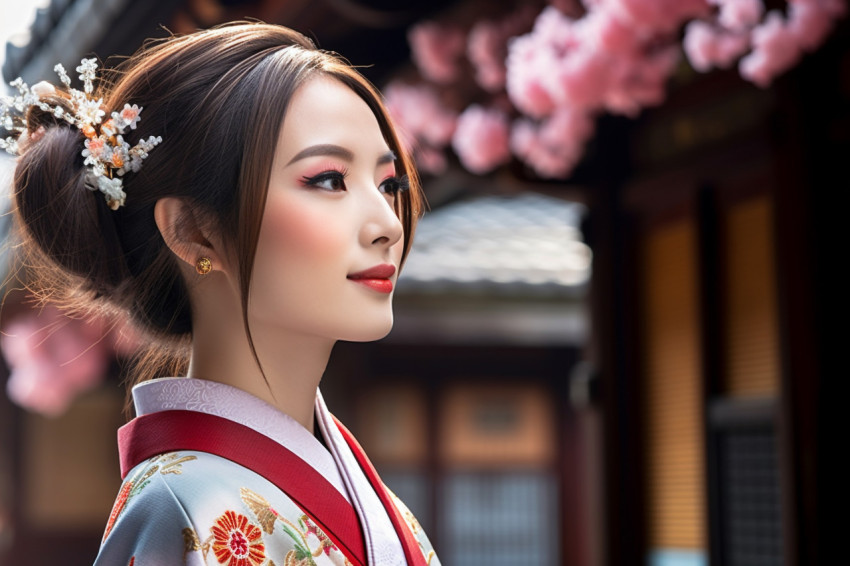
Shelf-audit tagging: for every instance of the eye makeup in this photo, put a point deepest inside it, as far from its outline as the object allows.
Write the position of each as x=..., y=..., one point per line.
x=331, y=179
x=394, y=185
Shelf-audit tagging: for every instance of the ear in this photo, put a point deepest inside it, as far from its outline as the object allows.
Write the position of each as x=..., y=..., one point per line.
x=185, y=234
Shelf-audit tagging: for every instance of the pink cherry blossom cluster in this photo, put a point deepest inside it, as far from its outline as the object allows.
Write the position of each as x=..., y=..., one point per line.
x=487, y=46
x=555, y=145
x=566, y=70
x=54, y=358
x=776, y=42
x=561, y=71
x=481, y=138
x=424, y=124
x=428, y=127
x=437, y=50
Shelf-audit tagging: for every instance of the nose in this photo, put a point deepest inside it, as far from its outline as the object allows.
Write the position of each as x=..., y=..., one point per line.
x=382, y=226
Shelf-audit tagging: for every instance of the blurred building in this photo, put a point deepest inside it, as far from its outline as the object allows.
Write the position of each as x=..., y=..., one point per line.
x=683, y=423
x=713, y=319
x=464, y=407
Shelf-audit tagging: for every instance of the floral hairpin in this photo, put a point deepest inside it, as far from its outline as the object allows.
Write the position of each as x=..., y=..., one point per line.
x=107, y=155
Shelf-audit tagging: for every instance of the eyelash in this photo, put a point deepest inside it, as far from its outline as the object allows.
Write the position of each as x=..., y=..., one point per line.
x=332, y=175
x=396, y=184
x=399, y=185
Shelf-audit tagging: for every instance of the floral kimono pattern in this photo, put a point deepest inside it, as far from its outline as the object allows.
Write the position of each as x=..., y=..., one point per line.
x=166, y=513
x=199, y=509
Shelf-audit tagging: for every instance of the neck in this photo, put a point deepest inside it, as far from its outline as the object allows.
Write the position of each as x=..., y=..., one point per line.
x=292, y=364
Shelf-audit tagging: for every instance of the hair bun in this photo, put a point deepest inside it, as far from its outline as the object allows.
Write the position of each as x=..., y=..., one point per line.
x=65, y=220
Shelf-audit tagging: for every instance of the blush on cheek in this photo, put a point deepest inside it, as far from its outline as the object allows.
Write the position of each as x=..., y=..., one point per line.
x=290, y=227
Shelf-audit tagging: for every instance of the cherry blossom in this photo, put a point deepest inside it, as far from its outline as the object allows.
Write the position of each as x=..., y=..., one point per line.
x=437, y=50
x=481, y=139
x=612, y=56
x=708, y=46
x=53, y=359
x=739, y=14
x=423, y=123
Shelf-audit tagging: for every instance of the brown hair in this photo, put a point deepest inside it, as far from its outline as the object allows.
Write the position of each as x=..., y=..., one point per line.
x=217, y=97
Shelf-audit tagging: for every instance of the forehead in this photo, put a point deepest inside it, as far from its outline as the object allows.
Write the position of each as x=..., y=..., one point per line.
x=325, y=111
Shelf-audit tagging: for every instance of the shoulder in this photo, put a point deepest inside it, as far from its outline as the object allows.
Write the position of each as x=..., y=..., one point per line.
x=195, y=508
x=149, y=517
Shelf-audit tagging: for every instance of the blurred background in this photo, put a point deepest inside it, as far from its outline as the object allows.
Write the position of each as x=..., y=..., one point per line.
x=614, y=332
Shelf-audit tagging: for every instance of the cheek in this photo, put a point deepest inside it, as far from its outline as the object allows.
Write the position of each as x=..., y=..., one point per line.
x=299, y=232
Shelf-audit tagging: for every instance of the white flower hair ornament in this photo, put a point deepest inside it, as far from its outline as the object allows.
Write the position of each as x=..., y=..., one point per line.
x=107, y=156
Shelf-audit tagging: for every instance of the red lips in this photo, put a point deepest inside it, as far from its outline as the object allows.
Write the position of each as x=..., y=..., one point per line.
x=376, y=278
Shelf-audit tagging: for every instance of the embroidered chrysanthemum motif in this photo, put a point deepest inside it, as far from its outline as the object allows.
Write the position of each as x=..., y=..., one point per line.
x=311, y=546
x=237, y=542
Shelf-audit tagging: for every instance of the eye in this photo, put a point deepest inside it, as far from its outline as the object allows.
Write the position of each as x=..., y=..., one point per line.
x=333, y=181
x=394, y=185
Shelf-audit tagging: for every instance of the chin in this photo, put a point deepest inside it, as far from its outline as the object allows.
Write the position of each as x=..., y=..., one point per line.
x=369, y=330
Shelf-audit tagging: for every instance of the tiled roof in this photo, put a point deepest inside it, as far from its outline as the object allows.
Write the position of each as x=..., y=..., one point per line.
x=528, y=244
x=63, y=32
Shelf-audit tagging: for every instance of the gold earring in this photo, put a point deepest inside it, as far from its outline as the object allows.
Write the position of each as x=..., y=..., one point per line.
x=203, y=265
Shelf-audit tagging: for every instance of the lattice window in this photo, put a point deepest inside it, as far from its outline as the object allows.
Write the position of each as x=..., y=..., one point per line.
x=500, y=519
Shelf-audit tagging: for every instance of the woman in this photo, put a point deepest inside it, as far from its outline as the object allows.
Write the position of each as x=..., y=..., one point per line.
x=262, y=214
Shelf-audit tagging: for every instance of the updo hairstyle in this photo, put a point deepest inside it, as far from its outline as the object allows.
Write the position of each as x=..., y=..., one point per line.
x=217, y=98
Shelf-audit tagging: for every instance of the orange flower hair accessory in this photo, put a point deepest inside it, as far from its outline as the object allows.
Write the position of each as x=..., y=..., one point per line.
x=107, y=156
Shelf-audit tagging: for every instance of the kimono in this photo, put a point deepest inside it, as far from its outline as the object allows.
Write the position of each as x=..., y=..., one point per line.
x=194, y=508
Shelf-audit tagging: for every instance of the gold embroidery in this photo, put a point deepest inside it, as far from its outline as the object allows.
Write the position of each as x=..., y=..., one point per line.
x=409, y=518
x=148, y=473
x=191, y=542
x=412, y=522
x=292, y=560
x=289, y=527
x=205, y=547
x=170, y=463
x=260, y=507
x=414, y=525
x=324, y=543
x=176, y=466
x=298, y=531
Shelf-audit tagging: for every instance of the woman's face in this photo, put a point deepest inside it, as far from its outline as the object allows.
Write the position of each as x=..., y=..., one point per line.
x=330, y=243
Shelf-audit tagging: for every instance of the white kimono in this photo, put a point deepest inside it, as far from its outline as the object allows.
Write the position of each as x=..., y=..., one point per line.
x=196, y=508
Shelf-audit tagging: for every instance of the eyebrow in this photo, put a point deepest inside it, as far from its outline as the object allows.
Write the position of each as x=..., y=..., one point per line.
x=336, y=151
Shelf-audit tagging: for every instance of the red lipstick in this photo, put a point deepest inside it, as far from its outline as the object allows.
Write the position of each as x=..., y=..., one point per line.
x=376, y=278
